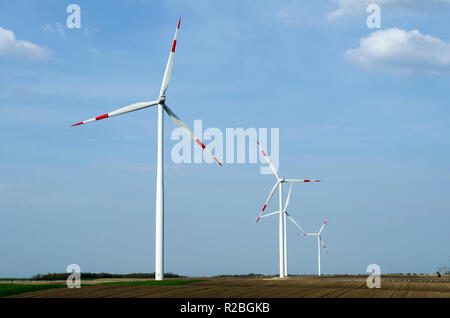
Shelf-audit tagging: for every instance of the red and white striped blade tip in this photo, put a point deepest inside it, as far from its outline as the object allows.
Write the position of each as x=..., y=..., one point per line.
x=262, y=150
x=264, y=207
x=174, y=44
x=96, y=118
x=198, y=141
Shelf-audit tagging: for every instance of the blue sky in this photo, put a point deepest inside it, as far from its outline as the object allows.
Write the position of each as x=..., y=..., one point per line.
x=372, y=124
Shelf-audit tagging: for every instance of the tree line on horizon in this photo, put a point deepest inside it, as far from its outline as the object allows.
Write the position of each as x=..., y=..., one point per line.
x=88, y=275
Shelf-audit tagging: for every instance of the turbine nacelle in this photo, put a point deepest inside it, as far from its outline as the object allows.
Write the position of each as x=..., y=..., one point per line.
x=161, y=100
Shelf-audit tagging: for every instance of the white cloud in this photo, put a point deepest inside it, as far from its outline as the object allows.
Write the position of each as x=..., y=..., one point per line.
x=47, y=28
x=353, y=7
x=402, y=51
x=58, y=28
x=10, y=46
x=350, y=7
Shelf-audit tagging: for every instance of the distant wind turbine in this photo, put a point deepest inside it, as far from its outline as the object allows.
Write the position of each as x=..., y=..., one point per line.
x=282, y=216
x=319, y=242
x=162, y=106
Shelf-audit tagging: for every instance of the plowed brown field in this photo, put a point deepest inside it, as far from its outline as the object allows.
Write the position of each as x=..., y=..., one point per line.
x=292, y=287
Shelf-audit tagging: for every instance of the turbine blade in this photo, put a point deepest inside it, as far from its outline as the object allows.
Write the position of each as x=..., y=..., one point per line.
x=268, y=160
x=123, y=110
x=180, y=124
x=323, y=225
x=296, y=224
x=288, y=198
x=323, y=244
x=269, y=214
x=300, y=180
x=268, y=199
x=168, y=71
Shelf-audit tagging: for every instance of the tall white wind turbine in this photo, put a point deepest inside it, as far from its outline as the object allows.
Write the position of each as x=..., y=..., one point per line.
x=282, y=216
x=319, y=242
x=162, y=106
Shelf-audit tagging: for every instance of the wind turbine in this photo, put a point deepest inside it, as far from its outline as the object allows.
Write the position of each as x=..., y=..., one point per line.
x=319, y=242
x=162, y=106
x=282, y=216
x=285, y=214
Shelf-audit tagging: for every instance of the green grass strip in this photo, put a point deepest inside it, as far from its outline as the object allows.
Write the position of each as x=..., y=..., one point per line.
x=15, y=289
x=155, y=282
x=18, y=288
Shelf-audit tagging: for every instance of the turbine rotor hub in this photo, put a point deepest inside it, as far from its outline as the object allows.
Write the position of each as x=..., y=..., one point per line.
x=161, y=99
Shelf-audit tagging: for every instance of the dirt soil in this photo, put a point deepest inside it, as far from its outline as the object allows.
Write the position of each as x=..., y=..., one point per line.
x=401, y=286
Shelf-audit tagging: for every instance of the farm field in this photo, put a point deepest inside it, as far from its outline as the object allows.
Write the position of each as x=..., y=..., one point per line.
x=401, y=286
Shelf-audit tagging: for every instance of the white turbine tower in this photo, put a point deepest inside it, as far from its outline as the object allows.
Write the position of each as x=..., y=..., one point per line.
x=285, y=214
x=319, y=242
x=282, y=216
x=162, y=106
